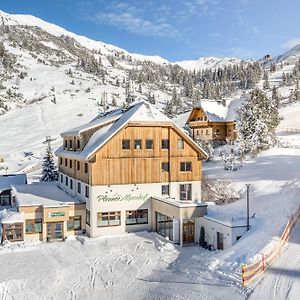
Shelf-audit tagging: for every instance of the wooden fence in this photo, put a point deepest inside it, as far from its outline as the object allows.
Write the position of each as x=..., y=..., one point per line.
x=257, y=268
x=292, y=130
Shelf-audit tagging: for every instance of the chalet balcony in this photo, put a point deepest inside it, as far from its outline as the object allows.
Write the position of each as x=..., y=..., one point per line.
x=198, y=123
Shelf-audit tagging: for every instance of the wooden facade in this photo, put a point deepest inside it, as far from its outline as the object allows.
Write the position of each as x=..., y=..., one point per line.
x=112, y=164
x=204, y=129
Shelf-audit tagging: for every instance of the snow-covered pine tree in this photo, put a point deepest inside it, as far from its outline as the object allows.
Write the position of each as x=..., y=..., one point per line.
x=257, y=121
x=266, y=84
x=50, y=172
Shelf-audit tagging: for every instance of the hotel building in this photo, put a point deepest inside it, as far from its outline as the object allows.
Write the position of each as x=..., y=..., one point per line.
x=136, y=170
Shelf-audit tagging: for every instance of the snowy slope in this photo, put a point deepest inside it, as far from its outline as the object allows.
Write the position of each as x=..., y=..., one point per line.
x=16, y=19
x=289, y=56
x=207, y=63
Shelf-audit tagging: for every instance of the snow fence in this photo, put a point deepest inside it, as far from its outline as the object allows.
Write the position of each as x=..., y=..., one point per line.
x=257, y=268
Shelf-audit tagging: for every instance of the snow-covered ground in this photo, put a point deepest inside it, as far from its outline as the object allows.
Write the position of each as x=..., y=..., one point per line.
x=144, y=266
x=282, y=280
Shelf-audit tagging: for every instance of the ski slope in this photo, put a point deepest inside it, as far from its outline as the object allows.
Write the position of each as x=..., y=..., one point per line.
x=282, y=280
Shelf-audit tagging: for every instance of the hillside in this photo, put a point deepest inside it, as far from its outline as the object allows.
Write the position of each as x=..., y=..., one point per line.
x=52, y=79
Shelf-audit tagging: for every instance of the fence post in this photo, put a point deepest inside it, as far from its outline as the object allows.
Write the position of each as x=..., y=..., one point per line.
x=263, y=261
x=243, y=276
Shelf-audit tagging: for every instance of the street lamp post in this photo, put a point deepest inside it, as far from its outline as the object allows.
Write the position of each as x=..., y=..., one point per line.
x=248, y=186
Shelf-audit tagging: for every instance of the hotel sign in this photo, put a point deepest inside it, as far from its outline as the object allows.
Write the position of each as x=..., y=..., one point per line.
x=119, y=197
x=56, y=214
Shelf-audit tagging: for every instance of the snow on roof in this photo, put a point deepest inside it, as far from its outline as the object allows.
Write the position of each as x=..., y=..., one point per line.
x=107, y=118
x=181, y=120
x=219, y=110
x=137, y=112
x=218, y=214
x=6, y=181
x=47, y=194
x=10, y=216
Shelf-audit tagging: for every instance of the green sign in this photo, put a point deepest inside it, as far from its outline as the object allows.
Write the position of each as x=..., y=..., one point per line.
x=119, y=197
x=56, y=214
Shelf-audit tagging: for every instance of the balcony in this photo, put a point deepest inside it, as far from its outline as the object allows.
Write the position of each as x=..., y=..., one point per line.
x=198, y=123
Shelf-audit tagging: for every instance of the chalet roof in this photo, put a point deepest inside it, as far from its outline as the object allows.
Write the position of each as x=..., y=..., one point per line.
x=219, y=110
x=6, y=181
x=139, y=112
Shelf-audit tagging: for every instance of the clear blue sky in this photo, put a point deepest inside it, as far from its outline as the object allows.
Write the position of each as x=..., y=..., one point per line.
x=176, y=29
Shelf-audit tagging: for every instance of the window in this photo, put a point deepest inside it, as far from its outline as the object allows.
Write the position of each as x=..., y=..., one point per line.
x=85, y=167
x=71, y=163
x=87, y=191
x=79, y=187
x=180, y=144
x=149, y=144
x=65, y=144
x=165, y=189
x=87, y=217
x=5, y=199
x=71, y=144
x=33, y=226
x=67, y=181
x=105, y=219
x=125, y=144
x=66, y=162
x=206, y=131
x=136, y=216
x=165, y=144
x=74, y=223
x=71, y=184
x=137, y=144
x=185, y=167
x=61, y=161
x=185, y=192
x=165, y=166
x=13, y=232
x=78, y=144
x=164, y=226
x=61, y=178
x=78, y=165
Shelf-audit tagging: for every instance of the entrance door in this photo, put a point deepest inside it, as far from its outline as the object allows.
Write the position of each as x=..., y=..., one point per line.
x=220, y=241
x=188, y=231
x=54, y=231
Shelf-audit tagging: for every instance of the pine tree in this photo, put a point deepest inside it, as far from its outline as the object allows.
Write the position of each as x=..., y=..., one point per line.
x=257, y=121
x=266, y=84
x=50, y=172
x=169, y=109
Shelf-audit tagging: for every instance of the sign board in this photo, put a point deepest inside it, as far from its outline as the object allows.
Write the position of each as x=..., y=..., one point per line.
x=119, y=197
x=56, y=214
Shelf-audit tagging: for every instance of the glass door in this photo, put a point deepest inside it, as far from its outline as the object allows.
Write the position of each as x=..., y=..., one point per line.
x=58, y=230
x=54, y=231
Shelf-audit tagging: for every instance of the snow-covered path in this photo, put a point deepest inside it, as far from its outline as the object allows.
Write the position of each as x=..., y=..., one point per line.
x=282, y=280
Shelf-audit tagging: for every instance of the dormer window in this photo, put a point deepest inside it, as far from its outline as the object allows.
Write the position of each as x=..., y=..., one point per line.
x=78, y=144
x=65, y=143
x=71, y=144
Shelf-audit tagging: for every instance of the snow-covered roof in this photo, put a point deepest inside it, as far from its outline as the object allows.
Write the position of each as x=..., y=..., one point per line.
x=216, y=111
x=6, y=181
x=10, y=216
x=102, y=120
x=219, y=215
x=113, y=122
x=46, y=194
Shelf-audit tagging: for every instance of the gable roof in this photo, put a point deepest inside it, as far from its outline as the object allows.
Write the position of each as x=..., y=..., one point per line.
x=139, y=112
x=216, y=111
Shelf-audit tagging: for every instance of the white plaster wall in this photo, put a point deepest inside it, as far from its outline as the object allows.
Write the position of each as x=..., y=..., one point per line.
x=211, y=228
